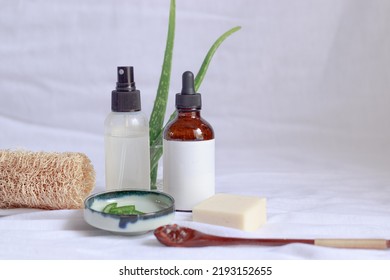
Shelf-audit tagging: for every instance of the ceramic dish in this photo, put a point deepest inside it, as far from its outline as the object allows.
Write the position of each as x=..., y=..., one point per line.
x=158, y=209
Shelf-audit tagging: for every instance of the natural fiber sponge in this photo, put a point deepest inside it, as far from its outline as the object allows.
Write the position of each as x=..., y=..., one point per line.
x=44, y=180
x=229, y=210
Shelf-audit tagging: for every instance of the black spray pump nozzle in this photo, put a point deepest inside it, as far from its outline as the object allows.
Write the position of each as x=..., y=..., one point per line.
x=125, y=78
x=125, y=98
x=188, y=98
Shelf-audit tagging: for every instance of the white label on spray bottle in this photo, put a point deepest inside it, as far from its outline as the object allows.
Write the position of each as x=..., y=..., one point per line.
x=189, y=171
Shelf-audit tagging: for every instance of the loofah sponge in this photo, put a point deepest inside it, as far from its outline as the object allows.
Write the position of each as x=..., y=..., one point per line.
x=44, y=180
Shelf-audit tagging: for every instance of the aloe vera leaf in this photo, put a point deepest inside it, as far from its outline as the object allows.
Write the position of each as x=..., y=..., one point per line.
x=160, y=103
x=155, y=155
x=154, y=169
x=205, y=65
x=157, y=142
x=156, y=121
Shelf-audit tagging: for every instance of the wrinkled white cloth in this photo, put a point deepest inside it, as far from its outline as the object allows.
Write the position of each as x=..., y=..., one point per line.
x=305, y=204
x=298, y=99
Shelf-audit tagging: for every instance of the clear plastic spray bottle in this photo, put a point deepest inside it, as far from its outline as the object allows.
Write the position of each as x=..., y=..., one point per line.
x=127, y=153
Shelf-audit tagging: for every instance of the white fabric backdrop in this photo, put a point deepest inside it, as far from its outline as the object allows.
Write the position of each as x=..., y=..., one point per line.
x=298, y=99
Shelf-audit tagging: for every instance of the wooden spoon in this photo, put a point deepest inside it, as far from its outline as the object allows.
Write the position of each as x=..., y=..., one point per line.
x=177, y=236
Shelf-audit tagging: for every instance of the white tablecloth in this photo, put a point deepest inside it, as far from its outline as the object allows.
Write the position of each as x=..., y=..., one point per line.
x=302, y=203
x=298, y=99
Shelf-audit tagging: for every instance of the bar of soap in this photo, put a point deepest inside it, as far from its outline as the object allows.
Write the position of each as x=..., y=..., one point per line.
x=236, y=211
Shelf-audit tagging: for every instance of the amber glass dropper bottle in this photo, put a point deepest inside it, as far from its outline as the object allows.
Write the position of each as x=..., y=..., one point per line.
x=189, y=151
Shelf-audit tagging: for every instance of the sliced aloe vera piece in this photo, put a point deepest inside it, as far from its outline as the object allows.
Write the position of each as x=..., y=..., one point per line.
x=109, y=207
x=125, y=210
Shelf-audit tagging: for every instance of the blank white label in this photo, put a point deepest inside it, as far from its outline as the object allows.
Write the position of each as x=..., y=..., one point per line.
x=189, y=171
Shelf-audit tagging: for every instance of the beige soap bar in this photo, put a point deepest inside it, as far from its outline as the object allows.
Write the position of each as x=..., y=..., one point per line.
x=229, y=210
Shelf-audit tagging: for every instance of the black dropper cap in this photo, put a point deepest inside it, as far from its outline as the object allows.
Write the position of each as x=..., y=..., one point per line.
x=125, y=98
x=188, y=98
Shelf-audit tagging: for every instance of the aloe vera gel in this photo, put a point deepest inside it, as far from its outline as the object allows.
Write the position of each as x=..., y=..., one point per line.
x=189, y=151
x=127, y=154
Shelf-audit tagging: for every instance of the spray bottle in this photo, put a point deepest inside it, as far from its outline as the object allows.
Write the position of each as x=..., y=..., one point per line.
x=127, y=160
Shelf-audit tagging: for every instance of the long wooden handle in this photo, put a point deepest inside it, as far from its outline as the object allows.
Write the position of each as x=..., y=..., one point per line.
x=353, y=243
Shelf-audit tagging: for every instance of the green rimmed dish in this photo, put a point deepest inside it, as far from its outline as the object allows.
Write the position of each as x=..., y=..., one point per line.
x=157, y=209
